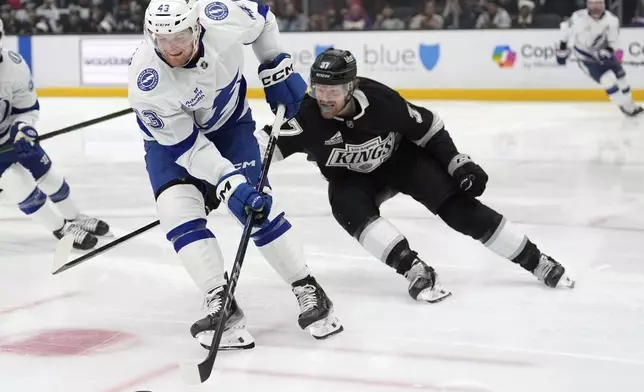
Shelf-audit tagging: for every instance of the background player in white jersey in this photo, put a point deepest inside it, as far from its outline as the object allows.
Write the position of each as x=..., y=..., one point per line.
x=594, y=33
x=187, y=89
x=26, y=174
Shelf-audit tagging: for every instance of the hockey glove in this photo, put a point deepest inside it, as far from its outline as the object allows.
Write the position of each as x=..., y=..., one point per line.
x=562, y=53
x=471, y=178
x=24, y=136
x=241, y=197
x=282, y=84
x=607, y=58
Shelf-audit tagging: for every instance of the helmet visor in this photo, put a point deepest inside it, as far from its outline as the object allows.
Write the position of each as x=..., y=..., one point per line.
x=325, y=92
x=174, y=41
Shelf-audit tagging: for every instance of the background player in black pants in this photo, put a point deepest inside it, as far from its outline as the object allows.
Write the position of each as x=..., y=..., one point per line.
x=370, y=143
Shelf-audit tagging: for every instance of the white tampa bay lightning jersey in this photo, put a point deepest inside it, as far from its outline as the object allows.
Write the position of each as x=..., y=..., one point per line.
x=18, y=100
x=589, y=35
x=177, y=106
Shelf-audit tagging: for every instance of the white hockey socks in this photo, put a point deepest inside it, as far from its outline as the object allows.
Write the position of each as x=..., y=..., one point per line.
x=20, y=188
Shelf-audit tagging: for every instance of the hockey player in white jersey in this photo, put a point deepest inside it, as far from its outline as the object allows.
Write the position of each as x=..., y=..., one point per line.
x=26, y=174
x=594, y=33
x=187, y=89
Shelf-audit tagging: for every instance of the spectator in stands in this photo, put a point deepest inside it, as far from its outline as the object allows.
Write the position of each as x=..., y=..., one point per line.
x=356, y=17
x=292, y=20
x=386, y=20
x=318, y=22
x=100, y=21
x=637, y=21
x=33, y=24
x=461, y=14
x=73, y=23
x=427, y=18
x=334, y=19
x=126, y=20
x=8, y=19
x=494, y=17
x=50, y=13
x=524, y=20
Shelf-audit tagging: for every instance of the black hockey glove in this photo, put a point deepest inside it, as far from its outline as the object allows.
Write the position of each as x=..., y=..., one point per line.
x=471, y=178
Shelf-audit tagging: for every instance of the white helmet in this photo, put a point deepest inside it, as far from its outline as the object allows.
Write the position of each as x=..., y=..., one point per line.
x=171, y=17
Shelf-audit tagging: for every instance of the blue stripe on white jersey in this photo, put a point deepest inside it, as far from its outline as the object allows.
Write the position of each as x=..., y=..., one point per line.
x=587, y=56
x=35, y=106
x=234, y=92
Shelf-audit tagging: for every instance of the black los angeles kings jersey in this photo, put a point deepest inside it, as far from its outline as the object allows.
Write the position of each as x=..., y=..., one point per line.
x=363, y=143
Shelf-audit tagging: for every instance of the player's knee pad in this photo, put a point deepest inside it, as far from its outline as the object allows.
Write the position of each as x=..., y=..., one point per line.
x=623, y=84
x=21, y=189
x=608, y=81
x=38, y=163
x=182, y=215
x=352, y=209
x=54, y=185
x=469, y=216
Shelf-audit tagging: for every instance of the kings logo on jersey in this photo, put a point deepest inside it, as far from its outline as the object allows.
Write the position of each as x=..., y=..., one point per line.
x=365, y=157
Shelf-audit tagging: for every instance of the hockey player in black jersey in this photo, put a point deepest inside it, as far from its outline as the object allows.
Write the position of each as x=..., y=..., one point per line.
x=370, y=144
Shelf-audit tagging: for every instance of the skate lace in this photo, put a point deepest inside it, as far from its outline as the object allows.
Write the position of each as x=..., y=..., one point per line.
x=77, y=232
x=87, y=223
x=543, y=268
x=214, y=301
x=306, y=297
x=418, y=269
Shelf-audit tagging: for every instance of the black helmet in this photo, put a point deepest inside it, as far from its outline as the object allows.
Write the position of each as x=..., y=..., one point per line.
x=334, y=66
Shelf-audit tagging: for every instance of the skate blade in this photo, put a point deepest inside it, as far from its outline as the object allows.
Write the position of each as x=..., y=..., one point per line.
x=433, y=295
x=326, y=328
x=236, y=340
x=566, y=281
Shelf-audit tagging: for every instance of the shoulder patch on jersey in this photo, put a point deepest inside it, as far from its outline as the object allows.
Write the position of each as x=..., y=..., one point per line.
x=148, y=79
x=247, y=11
x=15, y=57
x=216, y=10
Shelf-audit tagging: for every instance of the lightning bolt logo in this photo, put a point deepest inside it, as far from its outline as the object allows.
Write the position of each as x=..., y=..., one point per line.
x=225, y=102
x=148, y=79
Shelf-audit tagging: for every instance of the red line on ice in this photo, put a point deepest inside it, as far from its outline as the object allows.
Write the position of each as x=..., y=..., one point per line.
x=39, y=302
x=143, y=378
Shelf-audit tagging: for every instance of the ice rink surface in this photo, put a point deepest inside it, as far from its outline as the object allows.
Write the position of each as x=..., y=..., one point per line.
x=571, y=175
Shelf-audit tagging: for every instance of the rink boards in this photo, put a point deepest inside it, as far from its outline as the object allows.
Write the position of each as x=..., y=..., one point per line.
x=480, y=65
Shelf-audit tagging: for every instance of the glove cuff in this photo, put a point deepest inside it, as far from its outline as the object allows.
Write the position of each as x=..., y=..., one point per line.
x=458, y=161
x=227, y=185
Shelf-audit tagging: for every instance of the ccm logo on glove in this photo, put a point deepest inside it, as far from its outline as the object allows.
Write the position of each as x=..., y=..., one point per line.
x=278, y=76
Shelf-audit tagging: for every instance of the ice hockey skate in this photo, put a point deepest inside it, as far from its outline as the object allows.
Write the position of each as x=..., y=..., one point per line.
x=316, y=309
x=424, y=284
x=92, y=225
x=637, y=110
x=235, y=336
x=83, y=240
x=552, y=273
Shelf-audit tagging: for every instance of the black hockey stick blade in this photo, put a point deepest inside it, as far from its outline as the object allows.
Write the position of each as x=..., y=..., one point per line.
x=74, y=127
x=198, y=374
x=65, y=245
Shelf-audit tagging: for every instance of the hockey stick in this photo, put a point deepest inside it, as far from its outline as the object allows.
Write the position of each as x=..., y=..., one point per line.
x=65, y=245
x=74, y=127
x=633, y=63
x=196, y=374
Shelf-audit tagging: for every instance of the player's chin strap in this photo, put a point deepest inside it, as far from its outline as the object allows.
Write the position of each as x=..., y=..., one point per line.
x=74, y=127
